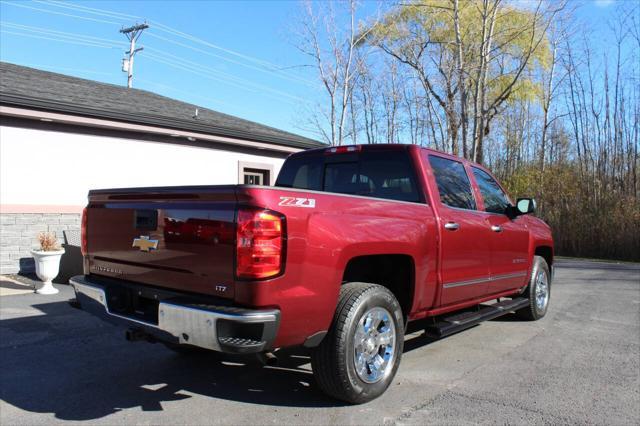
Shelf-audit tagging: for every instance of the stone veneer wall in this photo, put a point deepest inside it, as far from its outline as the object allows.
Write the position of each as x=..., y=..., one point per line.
x=18, y=232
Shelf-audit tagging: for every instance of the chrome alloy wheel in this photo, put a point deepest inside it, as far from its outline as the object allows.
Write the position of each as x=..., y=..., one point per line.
x=542, y=290
x=374, y=345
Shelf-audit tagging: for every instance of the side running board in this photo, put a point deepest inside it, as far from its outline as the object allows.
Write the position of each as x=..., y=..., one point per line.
x=449, y=325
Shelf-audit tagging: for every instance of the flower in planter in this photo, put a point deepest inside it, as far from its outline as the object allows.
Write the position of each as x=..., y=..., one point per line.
x=48, y=241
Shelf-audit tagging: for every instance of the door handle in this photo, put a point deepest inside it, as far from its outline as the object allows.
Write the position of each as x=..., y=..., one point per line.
x=496, y=228
x=451, y=226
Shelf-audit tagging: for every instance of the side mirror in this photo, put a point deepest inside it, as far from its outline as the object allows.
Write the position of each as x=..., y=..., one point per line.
x=526, y=205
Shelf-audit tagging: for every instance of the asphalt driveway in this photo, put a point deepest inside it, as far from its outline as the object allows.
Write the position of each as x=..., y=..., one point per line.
x=579, y=365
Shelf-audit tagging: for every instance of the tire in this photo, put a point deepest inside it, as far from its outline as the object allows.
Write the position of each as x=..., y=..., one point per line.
x=538, y=291
x=343, y=368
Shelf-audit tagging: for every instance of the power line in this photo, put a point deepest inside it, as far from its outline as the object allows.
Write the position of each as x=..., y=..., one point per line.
x=160, y=26
x=198, y=64
x=63, y=40
x=228, y=79
x=193, y=70
x=267, y=66
x=167, y=57
x=233, y=61
x=183, y=92
x=87, y=9
x=221, y=75
x=214, y=75
x=49, y=31
x=164, y=86
x=58, y=13
x=184, y=35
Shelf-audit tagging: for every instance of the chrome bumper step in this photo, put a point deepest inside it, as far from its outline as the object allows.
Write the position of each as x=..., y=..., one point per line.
x=218, y=328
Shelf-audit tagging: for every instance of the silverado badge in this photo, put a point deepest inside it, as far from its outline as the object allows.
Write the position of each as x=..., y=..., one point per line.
x=144, y=243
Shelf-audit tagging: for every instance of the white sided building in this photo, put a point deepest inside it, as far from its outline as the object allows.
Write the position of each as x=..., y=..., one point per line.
x=61, y=136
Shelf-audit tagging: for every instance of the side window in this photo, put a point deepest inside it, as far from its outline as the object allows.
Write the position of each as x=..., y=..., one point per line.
x=453, y=183
x=495, y=200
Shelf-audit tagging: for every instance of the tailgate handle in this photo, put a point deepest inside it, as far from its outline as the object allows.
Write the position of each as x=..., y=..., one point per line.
x=146, y=219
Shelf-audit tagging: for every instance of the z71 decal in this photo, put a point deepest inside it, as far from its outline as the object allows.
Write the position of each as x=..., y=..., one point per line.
x=297, y=202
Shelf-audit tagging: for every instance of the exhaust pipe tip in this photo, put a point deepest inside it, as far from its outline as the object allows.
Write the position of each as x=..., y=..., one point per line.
x=267, y=358
x=74, y=304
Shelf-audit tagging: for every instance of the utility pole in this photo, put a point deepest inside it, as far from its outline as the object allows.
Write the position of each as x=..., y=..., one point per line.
x=132, y=33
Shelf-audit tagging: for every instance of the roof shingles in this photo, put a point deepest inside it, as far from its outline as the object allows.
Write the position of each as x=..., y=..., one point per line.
x=29, y=87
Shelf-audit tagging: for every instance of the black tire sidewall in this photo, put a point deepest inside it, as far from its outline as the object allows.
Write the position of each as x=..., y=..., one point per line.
x=377, y=297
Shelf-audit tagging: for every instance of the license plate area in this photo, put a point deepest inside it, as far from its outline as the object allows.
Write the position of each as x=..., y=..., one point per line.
x=135, y=304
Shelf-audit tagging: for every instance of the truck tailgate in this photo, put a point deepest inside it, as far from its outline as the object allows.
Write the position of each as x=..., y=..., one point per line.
x=179, y=238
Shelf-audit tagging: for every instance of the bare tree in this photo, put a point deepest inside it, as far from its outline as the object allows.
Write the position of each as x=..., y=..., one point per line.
x=457, y=48
x=336, y=59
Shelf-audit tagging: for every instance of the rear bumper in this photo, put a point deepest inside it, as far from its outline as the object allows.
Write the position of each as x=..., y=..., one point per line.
x=218, y=328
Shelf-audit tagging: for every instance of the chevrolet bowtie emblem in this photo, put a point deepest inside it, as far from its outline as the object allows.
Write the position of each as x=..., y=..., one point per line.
x=144, y=243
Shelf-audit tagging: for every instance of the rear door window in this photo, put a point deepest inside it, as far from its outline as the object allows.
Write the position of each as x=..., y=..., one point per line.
x=380, y=174
x=453, y=183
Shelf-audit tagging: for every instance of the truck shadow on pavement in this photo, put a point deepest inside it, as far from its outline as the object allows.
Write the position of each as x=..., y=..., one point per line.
x=68, y=363
x=65, y=362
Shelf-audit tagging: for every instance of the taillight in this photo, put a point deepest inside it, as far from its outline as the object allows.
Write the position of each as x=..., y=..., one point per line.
x=259, y=244
x=83, y=233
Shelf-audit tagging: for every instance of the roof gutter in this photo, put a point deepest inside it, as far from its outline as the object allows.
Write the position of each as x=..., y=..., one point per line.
x=12, y=111
x=50, y=105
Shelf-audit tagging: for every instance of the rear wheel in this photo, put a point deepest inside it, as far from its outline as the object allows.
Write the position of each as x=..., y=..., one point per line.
x=538, y=291
x=360, y=355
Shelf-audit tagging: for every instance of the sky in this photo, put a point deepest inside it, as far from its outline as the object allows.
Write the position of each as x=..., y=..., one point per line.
x=236, y=57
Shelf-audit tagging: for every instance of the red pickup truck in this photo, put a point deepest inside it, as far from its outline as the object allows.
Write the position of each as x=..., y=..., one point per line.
x=351, y=244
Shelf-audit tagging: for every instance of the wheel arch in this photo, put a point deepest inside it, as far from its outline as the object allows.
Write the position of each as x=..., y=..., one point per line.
x=396, y=272
x=546, y=252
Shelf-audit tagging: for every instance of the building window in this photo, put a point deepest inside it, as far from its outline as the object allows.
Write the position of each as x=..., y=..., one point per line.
x=254, y=173
x=256, y=177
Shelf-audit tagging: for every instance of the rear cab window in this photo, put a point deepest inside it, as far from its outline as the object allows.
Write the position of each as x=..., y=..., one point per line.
x=387, y=174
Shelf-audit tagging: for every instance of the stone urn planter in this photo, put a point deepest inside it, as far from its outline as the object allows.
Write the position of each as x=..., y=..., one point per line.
x=47, y=260
x=47, y=268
